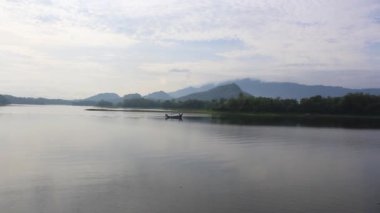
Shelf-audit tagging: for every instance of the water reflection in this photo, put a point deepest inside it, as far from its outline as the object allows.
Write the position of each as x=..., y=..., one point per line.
x=283, y=120
x=62, y=159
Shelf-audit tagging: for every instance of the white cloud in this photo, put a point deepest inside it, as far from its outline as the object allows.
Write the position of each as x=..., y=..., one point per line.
x=93, y=43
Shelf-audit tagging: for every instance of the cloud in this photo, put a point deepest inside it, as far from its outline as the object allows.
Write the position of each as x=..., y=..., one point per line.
x=175, y=70
x=139, y=41
x=48, y=18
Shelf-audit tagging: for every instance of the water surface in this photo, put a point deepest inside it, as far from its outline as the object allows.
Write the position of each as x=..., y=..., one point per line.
x=64, y=159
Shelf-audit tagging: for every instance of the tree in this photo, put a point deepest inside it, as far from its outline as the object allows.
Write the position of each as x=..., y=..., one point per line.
x=104, y=103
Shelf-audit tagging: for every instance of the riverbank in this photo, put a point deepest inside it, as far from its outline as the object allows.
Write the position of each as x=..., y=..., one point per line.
x=276, y=119
x=314, y=120
x=127, y=110
x=221, y=113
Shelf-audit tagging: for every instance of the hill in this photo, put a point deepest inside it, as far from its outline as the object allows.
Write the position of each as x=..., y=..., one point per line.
x=35, y=101
x=132, y=96
x=160, y=95
x=3, y=100
x=295, y=91
x=190, y=90
x=280, y=89
x=110, y=97
x=225, y=91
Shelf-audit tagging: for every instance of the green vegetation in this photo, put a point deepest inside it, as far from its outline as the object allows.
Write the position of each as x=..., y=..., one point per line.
x=350, y=104
x=36, y=101
x=103, y=103
x=356, y=104
x=140, y=103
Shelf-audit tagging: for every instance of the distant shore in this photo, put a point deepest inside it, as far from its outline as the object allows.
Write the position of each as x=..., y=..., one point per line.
x=250, y=114
x=128, y=110
x=274, y=119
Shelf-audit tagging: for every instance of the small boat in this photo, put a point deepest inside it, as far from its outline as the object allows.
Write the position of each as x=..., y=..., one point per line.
x=176, y=116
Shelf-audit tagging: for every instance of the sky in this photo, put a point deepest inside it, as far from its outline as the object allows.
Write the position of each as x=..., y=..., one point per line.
x=77, y=48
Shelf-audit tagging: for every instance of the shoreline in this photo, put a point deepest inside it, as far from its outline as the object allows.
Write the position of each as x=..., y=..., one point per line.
x=238, y=114
x=127, y=110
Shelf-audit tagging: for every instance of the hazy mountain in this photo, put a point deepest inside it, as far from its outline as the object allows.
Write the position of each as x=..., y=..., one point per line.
x=160, y=95
x=372, y=91
x=294, y=90
x=224, y=91
x=3, y=100
x=190, y=90
x=37, y=101
x=9, y=99
x=132, y=96
x=208, y=92
x=110, y=97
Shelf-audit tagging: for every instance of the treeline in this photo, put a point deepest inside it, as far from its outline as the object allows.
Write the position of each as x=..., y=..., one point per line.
x=354, y=103
x=357, y=103
x=168, y=104
x=8, y=99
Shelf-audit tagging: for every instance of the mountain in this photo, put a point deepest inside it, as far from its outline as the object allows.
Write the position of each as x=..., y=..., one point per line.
x=190, y=90
x=160, y=95
x=132, y=96
x=372, y=91
x=110, y=97
x=3, y=100
x=36, y=101
x=211, y=91
x=294, y=90
x=224, y=91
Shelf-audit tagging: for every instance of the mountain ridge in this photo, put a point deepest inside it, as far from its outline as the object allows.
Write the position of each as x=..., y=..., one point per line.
x=288, y=90
x=189, y=90
x=296, y=90
x=109, y=96
x=223, y=91
x=254, y=87
x=159, y=95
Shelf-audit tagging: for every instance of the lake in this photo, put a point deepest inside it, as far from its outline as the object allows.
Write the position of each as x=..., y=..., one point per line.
x=64, y=159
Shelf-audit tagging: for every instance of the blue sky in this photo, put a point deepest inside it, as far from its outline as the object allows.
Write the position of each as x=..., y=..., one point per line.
x=73, y=49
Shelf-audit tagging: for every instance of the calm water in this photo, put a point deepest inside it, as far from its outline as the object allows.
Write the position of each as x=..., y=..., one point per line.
x=62, y=159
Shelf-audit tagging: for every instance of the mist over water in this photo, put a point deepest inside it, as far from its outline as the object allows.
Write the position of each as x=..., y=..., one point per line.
x=64, y=159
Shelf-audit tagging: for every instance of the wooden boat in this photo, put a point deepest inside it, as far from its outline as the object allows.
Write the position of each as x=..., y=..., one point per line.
x=176, y=116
